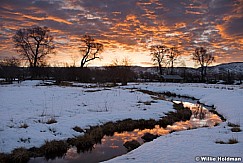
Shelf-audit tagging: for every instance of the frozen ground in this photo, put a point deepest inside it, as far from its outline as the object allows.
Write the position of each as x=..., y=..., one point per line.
x=85, y=106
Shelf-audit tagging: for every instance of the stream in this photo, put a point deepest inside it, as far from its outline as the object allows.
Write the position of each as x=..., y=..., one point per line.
x=112, y=146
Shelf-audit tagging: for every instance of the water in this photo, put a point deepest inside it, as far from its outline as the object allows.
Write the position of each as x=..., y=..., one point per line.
x=112, y=146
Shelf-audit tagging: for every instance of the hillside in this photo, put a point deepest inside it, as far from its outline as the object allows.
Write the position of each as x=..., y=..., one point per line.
x=235, y=67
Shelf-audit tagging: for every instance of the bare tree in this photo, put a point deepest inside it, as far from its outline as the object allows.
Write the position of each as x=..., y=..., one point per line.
x=89, y=49
x=9, y=69
x=34, y=44
x=158, y=53
x=204, y=59
x=120, y=71
x=173, y=54
x=12, y=62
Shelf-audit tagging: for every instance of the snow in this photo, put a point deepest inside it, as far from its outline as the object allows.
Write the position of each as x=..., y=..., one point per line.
x=33, y=105
x=185, y=146
x=87, y=105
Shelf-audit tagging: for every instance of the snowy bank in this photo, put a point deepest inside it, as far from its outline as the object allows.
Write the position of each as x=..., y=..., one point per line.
x=186, y=146
x=26, y=110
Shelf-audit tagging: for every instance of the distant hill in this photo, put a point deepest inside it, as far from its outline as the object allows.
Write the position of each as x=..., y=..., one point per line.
x=234, y=67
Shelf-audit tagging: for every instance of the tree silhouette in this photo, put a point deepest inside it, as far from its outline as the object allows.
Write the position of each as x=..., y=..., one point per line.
x=204, y=59
x=173, y=54
x=9, y=69
x=120, y=71
x=34, y=44
x=11, y=62
x=158, y=53
x=89, y=49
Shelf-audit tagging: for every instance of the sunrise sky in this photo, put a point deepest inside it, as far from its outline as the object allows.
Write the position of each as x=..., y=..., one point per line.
x=127, y=28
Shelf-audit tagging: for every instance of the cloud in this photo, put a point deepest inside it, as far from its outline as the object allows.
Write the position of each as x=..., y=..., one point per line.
x=131, y=25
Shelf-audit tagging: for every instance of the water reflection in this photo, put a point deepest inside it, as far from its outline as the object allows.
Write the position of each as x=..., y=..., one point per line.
x=112, y=146
x=201, y=117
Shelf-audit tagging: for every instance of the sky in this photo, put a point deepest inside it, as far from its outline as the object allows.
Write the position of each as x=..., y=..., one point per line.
x=127, y=28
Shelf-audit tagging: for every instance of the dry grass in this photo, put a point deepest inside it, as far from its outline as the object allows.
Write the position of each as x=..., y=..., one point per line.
x=51, y=121
x=24, y=125
x=230, y=141
x=53, y=149
x=233, y=141
x=235, y=129
x=147, y=137
x=20, y=155
x=65, y=84
x=83, y=143
x=131, y=145
x=78, y=129
x=4, y=158
x=233, y=124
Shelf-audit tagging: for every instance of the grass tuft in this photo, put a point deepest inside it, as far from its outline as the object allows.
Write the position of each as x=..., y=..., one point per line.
x=24, y=125
x=233, y=124
x=20, y=155
x=233, y=141
x=235, y=129
x=51, y=121
x=83, y=143
x=219, y=142
x=131, y=145
x=147, y=137
x=230, y=141
x=4, y=158
x=54, y=148
x=78, y=129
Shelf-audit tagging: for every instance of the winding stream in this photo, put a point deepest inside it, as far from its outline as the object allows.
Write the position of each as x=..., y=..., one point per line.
x=112, y=146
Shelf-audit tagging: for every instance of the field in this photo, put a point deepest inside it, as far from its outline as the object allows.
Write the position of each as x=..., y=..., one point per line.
x=33, y=112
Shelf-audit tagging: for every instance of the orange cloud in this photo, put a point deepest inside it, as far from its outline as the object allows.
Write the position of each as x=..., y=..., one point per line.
x=129, y=28
x=47, y=18
x=194, y=12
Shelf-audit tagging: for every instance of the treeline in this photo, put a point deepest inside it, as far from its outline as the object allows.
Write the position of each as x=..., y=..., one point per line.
x=112, y=74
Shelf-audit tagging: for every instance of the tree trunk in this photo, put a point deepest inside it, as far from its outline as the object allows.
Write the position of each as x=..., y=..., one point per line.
x=160, y=69
x=202, y=73
x=205, y=72
x=82, y=64
x=172, y=67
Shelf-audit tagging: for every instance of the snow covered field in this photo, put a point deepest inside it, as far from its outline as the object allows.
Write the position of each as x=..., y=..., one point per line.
x=34, y=106
x=26, y=104
x=192, y=145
